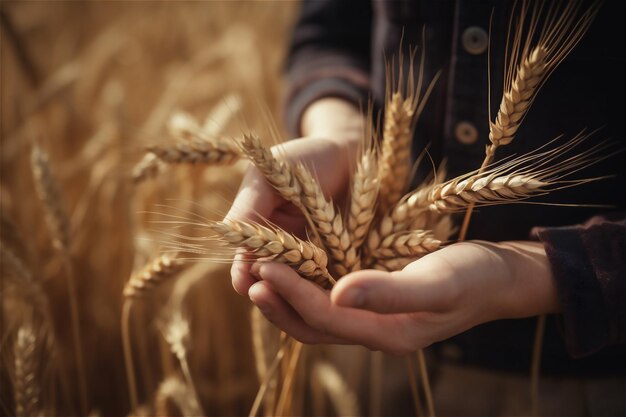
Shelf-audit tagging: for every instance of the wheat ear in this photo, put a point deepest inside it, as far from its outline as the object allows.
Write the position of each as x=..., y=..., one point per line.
x=279, y=246
x=173, y=395
x=530, y=59
x=27, y=391
x=149, y=167
x=48, y=192
x=329, y=223
x=365, y=188
x=58, y=223
x=414, y=244
x=198, y=151
x=152, y=275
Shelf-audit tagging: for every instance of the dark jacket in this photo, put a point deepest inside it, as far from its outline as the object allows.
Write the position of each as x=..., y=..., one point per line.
x=338, y=49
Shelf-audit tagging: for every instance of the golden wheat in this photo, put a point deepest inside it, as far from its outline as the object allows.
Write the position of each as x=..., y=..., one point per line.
x=364, y=195
x=174, y=392
x=404, y=244
x=27, y=391
x=276, y=245
x=152, y=275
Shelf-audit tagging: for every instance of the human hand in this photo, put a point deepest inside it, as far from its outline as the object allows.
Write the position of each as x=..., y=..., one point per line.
x=333, y=128
x=432, y=299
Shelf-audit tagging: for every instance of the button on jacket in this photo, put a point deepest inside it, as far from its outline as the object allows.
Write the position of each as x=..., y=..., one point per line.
x=338, y=50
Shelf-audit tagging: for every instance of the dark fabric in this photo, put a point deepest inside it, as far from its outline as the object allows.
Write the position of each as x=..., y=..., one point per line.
x=585, y=91
x=589, y=265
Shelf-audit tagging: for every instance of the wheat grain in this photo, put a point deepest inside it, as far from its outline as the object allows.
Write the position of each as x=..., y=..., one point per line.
x=392, y=264
x=152, y=275
x=27, y=391
x=279, y=246
x=149, y=167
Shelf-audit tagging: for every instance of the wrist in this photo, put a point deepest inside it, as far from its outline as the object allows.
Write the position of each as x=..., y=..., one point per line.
x=335, y=119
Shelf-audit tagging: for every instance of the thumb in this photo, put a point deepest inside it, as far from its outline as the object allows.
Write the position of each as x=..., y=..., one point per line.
x=394, y=292
x=255, y=199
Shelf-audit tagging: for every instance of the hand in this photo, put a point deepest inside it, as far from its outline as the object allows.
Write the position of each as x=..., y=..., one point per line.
x=333, y=128
x=432, y=299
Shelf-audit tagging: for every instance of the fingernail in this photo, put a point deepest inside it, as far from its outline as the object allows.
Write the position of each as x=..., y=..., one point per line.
x=354, y=297
x=255, y=270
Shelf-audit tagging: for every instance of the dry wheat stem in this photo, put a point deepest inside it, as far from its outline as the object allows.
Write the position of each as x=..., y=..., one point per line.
x=421, y=364
x=363, y=198
x=328, y=222
x=287, y=388
x=128, y=354
x=535, y=369
x=342, y=397
x=413, y=383
x=271, y=371
x=176, y=333
x=27, y=391
x=279, y=246
x=152, y=275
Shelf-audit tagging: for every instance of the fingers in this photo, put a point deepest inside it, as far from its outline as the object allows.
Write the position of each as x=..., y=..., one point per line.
x=276, y=310
x=255, y=199
x=240, y=271
x=408, y=291
x=313, y=305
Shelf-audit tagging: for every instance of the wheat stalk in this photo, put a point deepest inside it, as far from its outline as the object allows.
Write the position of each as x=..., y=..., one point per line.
x=27, y=391
x=279, y=246
x=363, y=197
x=152, y=275
x=58, y=223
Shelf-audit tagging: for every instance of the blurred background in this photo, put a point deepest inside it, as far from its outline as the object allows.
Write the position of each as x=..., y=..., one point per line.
x=92, y=84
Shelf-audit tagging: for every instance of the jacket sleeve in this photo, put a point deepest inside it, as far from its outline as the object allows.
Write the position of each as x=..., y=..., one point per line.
x=329, y=56
x=589, y=264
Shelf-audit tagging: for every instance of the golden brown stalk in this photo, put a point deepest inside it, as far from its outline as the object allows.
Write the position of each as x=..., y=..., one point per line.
x=365, y=187
x=415, y=243
x=198, y=151
x=395, y=160
x=329, y=223
x=279, y=246
x=176, y=333
x=152, y=275
x=421, y=364
x=172, y=396
x=58, y=223
x=27, y=391
x=344, y=400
